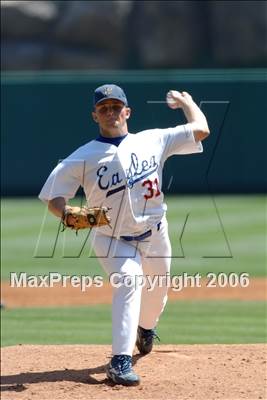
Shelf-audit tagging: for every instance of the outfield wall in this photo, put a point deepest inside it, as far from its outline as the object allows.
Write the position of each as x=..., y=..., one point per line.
x=45, y=116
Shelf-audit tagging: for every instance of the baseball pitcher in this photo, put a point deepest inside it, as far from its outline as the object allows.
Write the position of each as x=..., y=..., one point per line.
x=121, y=175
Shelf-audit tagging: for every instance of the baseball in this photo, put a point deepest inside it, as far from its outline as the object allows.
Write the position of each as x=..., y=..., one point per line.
x=171, y=101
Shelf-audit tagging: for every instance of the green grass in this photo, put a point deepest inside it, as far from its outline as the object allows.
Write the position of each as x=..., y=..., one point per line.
x=227, y=238
x=29, y=235
x=182, y=322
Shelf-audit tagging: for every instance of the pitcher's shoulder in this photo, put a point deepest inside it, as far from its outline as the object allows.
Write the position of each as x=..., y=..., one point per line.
x=147, y=133
x=88, y=149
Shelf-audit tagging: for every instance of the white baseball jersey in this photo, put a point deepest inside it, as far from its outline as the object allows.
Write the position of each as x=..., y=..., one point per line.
x=127, y=178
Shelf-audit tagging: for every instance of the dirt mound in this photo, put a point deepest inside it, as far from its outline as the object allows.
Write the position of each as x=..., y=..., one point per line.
x=169, y=372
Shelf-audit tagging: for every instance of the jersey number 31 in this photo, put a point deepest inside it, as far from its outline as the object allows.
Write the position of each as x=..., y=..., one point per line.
x=152, y=188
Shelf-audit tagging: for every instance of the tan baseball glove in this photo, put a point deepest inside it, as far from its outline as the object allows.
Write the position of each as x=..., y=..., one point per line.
x=85, y=217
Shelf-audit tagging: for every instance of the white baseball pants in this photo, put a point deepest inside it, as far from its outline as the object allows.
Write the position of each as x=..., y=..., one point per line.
x=131, y=267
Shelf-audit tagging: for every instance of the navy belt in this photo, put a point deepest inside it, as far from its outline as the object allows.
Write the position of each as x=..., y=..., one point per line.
x=141, y=237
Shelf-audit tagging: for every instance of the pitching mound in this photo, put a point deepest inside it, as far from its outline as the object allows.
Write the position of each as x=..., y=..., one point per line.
x=169, y=372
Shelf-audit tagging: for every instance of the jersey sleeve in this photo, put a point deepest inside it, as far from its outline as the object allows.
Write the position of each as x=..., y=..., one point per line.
x=64, y=180
x=179, y=140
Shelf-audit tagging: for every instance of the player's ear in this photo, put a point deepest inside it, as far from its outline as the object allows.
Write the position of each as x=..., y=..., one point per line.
x=94, y=116
x=128, y=112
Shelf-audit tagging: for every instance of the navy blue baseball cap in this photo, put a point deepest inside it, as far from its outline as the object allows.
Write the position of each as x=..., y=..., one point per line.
x=109, y=91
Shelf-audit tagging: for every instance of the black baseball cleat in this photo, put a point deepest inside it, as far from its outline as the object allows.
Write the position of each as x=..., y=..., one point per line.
x=120, y=371
x=145, y=339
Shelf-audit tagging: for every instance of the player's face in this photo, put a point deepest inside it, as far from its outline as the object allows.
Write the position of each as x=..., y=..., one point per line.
x=112, y=115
